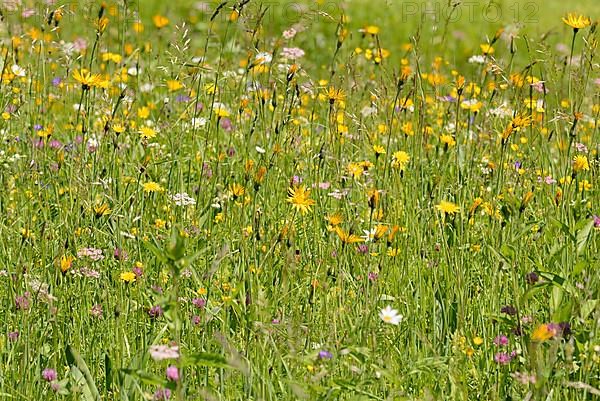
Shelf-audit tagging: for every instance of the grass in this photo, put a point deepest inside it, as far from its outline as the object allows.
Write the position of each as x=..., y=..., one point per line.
x=196, y=206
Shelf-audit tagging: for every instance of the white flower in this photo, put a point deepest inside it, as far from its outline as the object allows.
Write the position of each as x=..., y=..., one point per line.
x=183, y=199
x=162, y=352
x=389, y=315
x=369, y=235
x=477, y=59
x=18, y=71
x=260, y=150
x=263, y=58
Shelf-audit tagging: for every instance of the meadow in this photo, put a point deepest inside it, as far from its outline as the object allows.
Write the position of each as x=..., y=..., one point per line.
x=307, y=200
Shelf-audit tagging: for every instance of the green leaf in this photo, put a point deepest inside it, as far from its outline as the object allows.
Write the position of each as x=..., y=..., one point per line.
x=77, y=364
x=583, y=235
x=587, y=308
x=145, y=377
x=206, y=359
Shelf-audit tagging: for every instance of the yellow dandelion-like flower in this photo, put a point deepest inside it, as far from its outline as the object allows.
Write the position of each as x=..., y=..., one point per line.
x=65, y=263
x=580, y=163
x=335, y=95
x=542, y=333
x=147, y=132
x=102, y=210
x=127, y=277
x=400, y=159
x=577, y=21
x=379, y=150
x=300, y=199
x=152, y=186
x=236, y=190
x=347, y=237
x=86, y=78
x=160, y=21
x=447, y=207
x=447, y=140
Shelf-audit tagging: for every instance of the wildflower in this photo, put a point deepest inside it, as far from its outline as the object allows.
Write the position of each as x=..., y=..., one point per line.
x=86, y=78
x=501, y=340
x=324, y=354
x=580, y=163
x=447, y=208
x=236, y=190
x=49, y=374
x=502, y=358
x=183, y=199
x=92, y=253
x=172, y=373
x=155, y=312
x=152, y=186
x=596, y=220
x=347, y=238
x=13, y=335
x=379, y=150
x=162, y=394
x=400, y=159
x=65, y=263
x=532, y=278
x=96, y=311
x=369, y=30
x=160, y=21
x=128, y=277
x=447, y=140
x=292, y=53
x=389, y=315
x=300, y=199
x=542, y=333
x=101, y=210
x=147, y=133
x=477, y=341
x=577, y=21
x=335, y=95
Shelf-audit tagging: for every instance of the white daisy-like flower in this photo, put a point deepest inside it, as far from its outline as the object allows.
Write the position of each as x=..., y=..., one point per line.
x=391, y=316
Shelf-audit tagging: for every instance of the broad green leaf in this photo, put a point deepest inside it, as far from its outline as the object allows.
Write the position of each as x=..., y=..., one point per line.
x=76, y=362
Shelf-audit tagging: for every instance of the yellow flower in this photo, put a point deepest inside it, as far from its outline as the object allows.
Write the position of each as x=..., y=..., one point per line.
x=147, y=132
x=335, y=95
x=370, y=30
x=542, y=333
x=152, y=186
x=160, y=21
x=477, y=340
x=486, y=48
x=102, y=210
x=379, y=150
x=86, y=78
x=577, y=21
x=580, y=163
x=300, y=199
x=173, y=85
x=236, y=190
x=127, y=277
x=447, y=207
x=65, y=263
x=335, y=219
x=347, y=238
x=447, y=140
x=400, y=159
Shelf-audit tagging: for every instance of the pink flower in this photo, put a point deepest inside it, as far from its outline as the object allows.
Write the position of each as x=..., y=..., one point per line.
x=502, y=358
x=49, y=374
x=172, y=373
